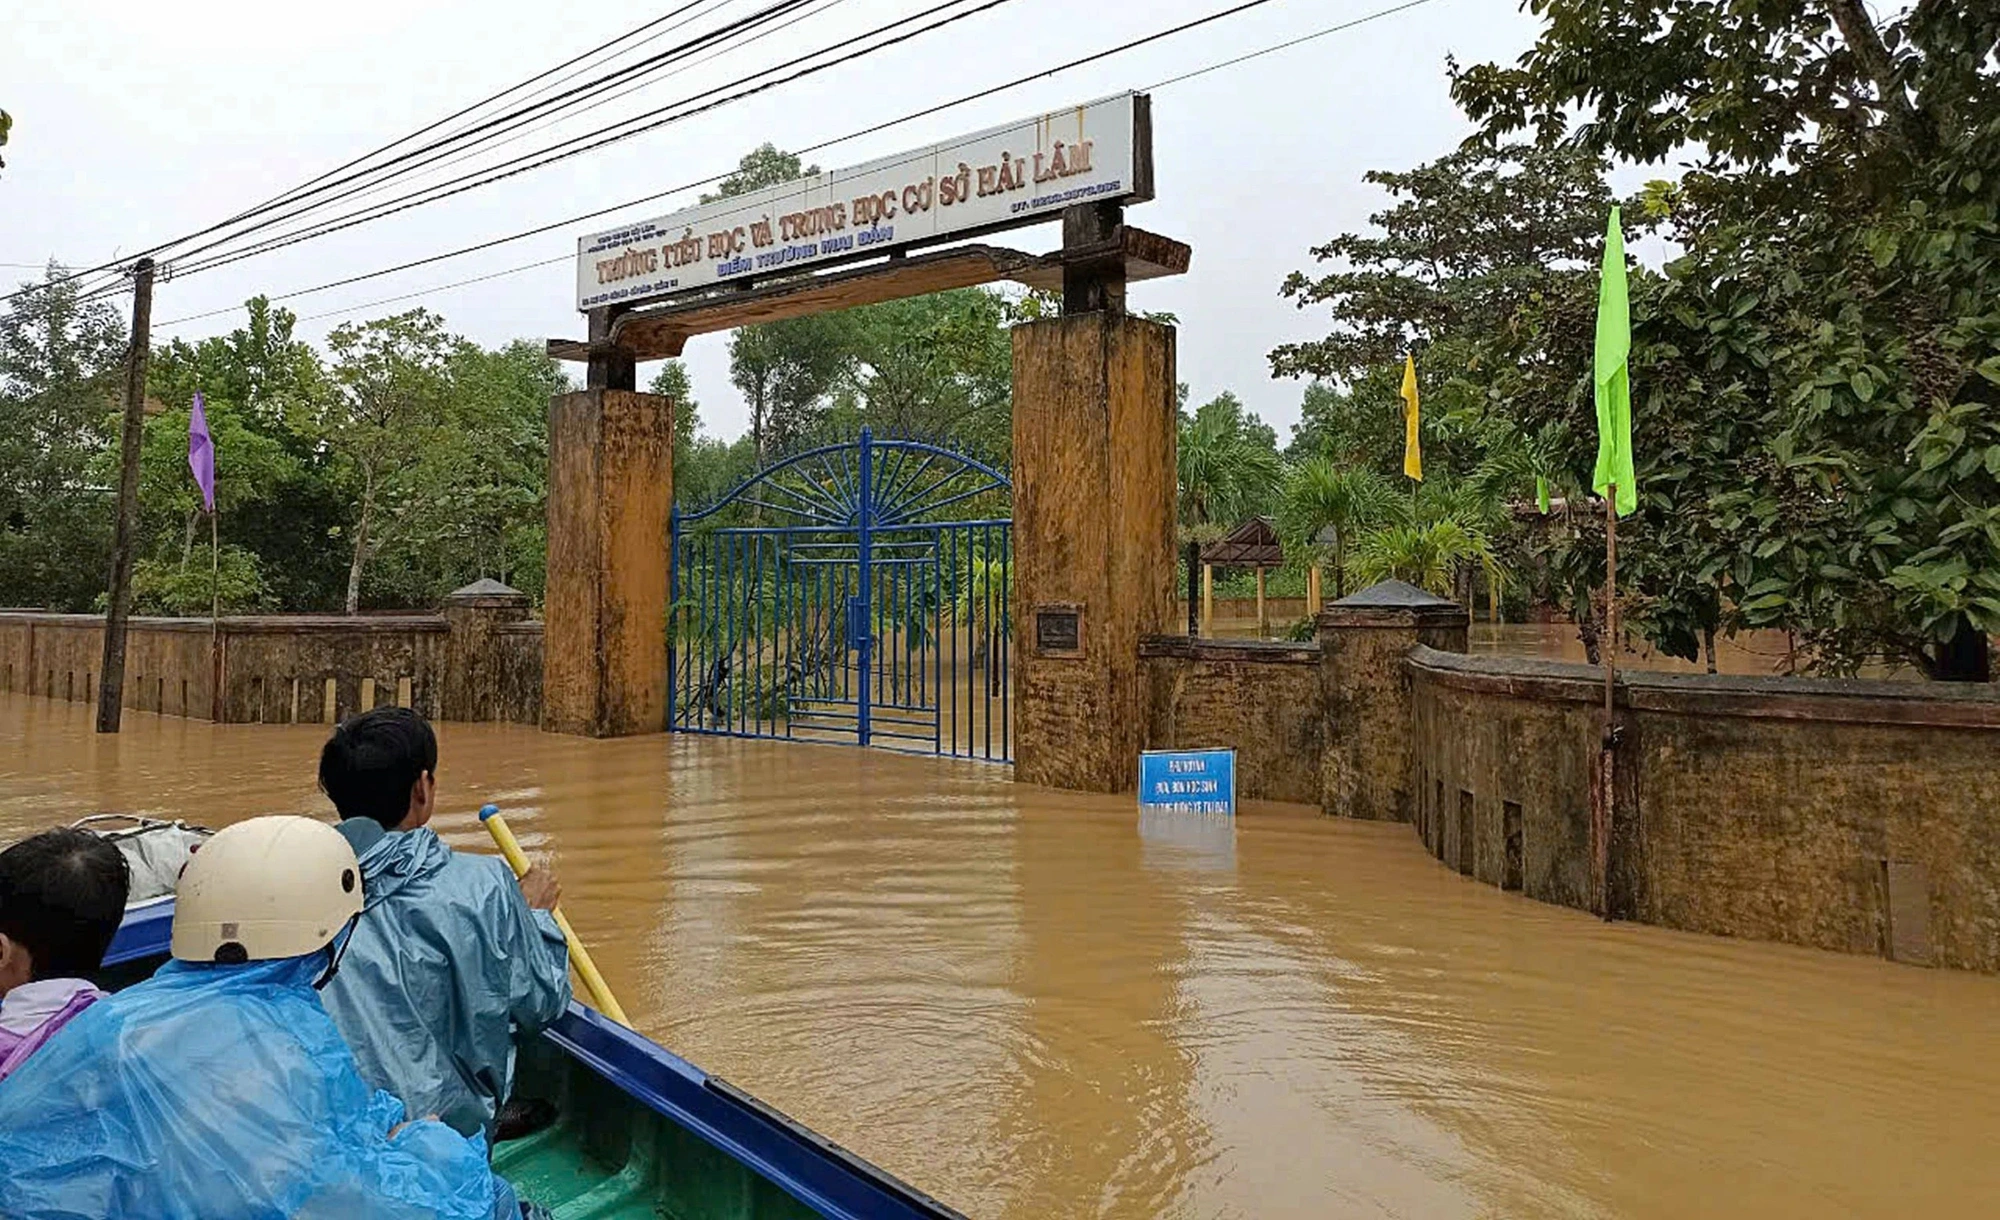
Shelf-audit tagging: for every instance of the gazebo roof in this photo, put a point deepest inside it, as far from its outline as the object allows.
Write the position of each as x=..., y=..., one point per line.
x=1253, y=544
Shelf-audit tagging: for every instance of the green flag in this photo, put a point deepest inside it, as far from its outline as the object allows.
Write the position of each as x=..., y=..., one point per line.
x=1614, y=380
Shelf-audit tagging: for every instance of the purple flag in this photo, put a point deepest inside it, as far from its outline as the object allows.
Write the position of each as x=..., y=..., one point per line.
x=201, y=453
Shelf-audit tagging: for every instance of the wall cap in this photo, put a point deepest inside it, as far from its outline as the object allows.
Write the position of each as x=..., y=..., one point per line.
x=1266, y=652
x=1858, y=701
x=1394, y=604
x=1400, y=594
x=486, y=592
x=252, y=624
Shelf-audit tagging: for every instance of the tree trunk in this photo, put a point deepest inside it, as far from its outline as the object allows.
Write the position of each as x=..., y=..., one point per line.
x=1584, y=614
x=1965, y=657
x=360, y=546
x=1858, y=31
x=1708, y=646
x=1194, y=588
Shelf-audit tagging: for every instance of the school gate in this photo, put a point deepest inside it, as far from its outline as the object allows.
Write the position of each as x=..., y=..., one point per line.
x=807, y=607
x=852, y=593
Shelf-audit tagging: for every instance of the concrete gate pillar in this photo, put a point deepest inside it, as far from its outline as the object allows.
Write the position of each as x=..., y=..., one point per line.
x=1363, y=638
x=604, y=642
x=1094, y=482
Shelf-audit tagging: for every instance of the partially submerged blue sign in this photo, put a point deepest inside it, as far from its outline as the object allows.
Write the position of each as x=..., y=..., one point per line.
x=1188, y=781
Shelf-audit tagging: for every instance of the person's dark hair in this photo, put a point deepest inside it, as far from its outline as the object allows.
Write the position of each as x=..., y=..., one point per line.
x=62, y=895
x=373, y=760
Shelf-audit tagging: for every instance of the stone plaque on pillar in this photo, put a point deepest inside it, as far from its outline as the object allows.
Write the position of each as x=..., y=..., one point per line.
x=604, y=657
x=1059, y=630
x=1094, y=437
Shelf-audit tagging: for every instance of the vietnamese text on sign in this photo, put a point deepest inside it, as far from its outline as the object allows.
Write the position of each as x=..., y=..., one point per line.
x=996, y=178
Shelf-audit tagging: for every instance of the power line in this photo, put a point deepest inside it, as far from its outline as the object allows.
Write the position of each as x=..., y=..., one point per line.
x=320, y=184
x=576, y=146
x=1364, y=19
x=720, y=35
x=549, y=121
x=809, y=149
x=486, y=101
x=424, y=292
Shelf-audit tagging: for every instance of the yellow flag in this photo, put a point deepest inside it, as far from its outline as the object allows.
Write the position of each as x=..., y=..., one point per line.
x=1413, y=453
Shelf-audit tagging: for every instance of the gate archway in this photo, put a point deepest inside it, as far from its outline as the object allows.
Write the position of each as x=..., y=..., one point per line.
x=855, y=592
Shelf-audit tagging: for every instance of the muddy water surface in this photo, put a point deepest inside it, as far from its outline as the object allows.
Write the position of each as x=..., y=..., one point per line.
x=1034, y=1004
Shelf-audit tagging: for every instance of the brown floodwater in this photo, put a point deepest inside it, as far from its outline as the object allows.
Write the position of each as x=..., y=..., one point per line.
x=1035, y=1004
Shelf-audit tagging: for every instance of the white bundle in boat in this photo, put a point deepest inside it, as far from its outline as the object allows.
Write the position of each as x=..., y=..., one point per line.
x=155, y=850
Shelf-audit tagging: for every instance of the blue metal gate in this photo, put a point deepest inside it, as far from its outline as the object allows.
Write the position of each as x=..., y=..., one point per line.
x=824, y=599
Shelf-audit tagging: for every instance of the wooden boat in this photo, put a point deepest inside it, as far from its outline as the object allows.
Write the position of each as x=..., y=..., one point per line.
x=643, y=1132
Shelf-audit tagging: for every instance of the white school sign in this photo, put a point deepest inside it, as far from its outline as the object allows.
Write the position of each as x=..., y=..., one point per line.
x=999, y=178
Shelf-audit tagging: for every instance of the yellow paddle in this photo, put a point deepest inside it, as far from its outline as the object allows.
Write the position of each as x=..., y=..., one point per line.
x=593, y=982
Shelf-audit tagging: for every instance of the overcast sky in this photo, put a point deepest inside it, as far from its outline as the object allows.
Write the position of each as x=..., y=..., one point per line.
x=136, y=122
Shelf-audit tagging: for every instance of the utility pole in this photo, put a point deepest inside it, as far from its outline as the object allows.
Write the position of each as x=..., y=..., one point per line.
x=111, y=689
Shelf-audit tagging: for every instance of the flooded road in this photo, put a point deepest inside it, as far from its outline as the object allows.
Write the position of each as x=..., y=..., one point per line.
x=1033, y=1004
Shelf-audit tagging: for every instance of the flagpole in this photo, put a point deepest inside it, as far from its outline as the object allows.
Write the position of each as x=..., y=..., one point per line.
x=214, y=575
x=1600, y=830
x=1612, y=389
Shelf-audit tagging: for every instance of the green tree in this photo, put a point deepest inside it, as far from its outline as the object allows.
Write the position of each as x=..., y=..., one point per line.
x=937, y=366
x=1817, y=372
x=1482, y=265
x=6, y=126
x=1321, y=498
x=764, y=165
x=672, y=382
x=384, y=427
x=174, y=574
x=495, y=483
x=1467, y=240
x=785, y=371
x=1228, y=467
x=61, y=360
x=279, y=496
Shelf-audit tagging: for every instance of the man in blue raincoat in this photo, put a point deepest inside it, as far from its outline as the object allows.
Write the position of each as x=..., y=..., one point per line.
x=219, y=1089
x=454, y=957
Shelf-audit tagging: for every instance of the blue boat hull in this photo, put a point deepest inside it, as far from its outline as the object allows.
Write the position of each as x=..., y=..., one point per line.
x=767, y=1146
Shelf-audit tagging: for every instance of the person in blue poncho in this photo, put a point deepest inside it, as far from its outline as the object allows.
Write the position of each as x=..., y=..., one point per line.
x=219, y=1089
x=455, y=958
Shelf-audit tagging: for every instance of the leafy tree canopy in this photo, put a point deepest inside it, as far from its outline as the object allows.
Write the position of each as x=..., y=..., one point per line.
x=1817, y=411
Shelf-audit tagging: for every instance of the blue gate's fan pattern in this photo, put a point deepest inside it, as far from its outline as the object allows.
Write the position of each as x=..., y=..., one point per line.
x=854, y=592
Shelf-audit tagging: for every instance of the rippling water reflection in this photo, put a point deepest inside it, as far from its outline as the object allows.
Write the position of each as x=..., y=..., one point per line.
x=1041, y=1004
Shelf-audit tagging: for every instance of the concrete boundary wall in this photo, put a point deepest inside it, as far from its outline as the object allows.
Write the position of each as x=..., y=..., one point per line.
x=478, y=660
x=1859, y=816
x=1259, y=697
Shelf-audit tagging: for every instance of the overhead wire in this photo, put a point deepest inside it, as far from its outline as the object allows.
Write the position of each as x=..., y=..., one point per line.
x=543, y=124
x=576, y=146
x=494, y=97
x=321, y=184
x=362, y=183
x=872, y=129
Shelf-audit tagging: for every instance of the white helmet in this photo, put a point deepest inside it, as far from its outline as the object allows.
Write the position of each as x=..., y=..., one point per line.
x=271, y=887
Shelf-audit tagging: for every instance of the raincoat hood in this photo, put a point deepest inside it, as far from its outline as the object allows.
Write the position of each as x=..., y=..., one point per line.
x=392, y=860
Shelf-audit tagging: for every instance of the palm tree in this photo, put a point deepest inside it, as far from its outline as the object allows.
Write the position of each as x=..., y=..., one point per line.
x=1319, y=498
x=1435, y=555
x=1226, y=470
x=1227, y=464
